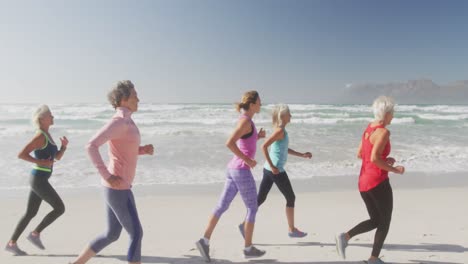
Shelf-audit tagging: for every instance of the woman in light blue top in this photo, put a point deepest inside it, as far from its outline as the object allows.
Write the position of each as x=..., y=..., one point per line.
x=273, y=170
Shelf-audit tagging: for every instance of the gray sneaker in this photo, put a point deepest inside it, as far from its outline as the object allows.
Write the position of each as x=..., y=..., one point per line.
x=375, y=261
x=15, y=250
x=341, y=244
x=36, y=240
x=254, y=252
x=204, y=249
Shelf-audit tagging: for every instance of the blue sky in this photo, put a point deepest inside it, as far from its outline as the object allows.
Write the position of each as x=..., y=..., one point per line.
x=212, y=51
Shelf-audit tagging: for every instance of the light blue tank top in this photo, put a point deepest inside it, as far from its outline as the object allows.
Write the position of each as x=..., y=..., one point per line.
x=279, y=153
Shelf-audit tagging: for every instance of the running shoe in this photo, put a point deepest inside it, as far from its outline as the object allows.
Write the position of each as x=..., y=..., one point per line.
x=15, y=250
x=204, y=249
x=253, y=252
x=36, y=240
x=341, y=244
x=297, y=233
x=375, y=261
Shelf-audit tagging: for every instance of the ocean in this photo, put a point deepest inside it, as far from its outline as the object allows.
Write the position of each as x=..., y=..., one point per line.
x=189, y=141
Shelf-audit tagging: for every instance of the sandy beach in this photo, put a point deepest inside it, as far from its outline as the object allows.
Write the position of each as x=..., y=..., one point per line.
x=430, y=224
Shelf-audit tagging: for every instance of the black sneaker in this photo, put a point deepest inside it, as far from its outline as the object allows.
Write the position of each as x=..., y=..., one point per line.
x=253, y=252
x=204, y=249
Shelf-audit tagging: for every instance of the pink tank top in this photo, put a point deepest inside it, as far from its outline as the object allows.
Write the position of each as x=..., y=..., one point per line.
x=371, y=175
x=248, y=146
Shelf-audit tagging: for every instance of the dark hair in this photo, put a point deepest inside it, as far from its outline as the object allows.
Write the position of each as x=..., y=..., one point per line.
x=120, y=91
x=248, y=98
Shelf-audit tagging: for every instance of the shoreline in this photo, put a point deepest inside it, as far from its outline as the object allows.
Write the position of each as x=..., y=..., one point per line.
x=415, y=181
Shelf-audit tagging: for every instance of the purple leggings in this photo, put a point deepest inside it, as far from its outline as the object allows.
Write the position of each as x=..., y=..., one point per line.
x=239, y=180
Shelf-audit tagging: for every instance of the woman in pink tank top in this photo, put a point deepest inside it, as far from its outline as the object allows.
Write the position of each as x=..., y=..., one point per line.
x=239, y=179
x=374, y=184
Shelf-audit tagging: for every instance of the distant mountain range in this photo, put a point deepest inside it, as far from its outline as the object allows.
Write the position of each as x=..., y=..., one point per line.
x=422, y=91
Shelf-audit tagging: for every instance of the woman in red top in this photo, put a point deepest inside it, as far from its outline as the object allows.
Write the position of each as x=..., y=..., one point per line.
x=374, y=184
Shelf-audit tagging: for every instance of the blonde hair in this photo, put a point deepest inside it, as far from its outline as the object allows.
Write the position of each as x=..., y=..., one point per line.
x=248, y=98
x=121, y=90
x=278, y=112
x=381, y=106
x=38, y=114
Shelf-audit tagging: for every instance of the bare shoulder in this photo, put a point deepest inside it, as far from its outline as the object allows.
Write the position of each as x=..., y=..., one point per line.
x=39, y=137
x=279, y=132
x=243, y=122
x=382, y=132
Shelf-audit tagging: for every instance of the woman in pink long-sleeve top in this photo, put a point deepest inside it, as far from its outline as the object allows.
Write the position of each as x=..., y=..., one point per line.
x=123, y=137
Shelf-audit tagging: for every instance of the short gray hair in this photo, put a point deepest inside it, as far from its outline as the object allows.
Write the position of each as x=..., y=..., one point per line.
x=38, y=114
x=381, y=106
x=120, y=91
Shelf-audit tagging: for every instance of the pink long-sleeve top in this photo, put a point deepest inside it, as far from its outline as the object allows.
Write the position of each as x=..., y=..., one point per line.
x=124, y=147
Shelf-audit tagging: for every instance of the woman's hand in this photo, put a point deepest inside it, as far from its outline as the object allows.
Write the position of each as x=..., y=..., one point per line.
x=399, y=170
x=64, y=141
x=251, y=163
x=148, y=149
x=114, y=181
x=275, y=170
x=307, y=155
x=261, y=133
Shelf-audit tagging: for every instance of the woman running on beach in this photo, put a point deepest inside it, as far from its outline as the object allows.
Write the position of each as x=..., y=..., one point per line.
x=273, y=170
x=239, y=178
x=374, y=184
x=45, y=152
x=123, y=137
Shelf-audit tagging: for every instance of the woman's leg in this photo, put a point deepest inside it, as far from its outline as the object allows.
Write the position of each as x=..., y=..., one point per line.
x=284, y=185
x=383, y=199
x=369, y=224
x=46, y=192
x=248, y=190
x=265, y=186
x=229, y=192
x=114, y=228
x=123, y=205
x=34, y=202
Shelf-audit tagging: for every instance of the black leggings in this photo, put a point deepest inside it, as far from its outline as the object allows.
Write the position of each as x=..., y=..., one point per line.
x=284, y=185
x=40, y=190
x=379, y=203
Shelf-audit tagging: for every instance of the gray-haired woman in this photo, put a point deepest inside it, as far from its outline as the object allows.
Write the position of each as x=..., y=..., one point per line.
x=45, y=152
x=123, y=138
x=374, y=184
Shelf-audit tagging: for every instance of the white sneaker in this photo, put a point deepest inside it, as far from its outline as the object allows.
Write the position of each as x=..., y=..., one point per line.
x=341, y=244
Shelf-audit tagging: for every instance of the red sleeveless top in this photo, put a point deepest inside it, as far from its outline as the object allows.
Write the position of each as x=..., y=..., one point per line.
x=371, y=175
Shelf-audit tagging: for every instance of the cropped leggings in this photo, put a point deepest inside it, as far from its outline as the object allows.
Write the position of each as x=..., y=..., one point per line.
x=284, y=185
x=242, y=181
x=121, y=212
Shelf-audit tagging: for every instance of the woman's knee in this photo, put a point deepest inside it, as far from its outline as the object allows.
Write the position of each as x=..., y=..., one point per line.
x=385, y=222
x=261, y=199
x=220, y=209
x=291, y=200
x=251, y=213
x=30, y=214
x=137, y=234
x=59, y=208
x=375, y=221
x=113, y=236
